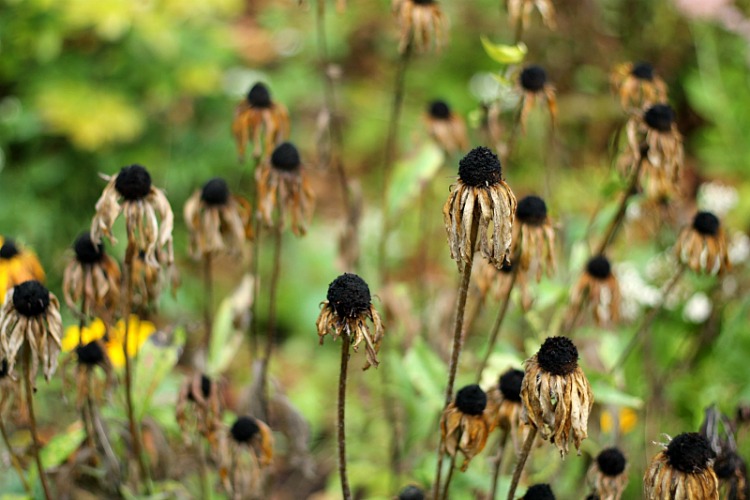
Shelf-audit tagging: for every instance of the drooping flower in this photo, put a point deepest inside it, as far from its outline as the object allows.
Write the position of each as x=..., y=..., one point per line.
x=506, y=408
x=17, y=264
x=90, y=356
x=682, y=470
x=446, y=127
x=540, y=491
x=599, y=287
x=534, y=238
x=607, y=474
x=519, y=11
x=421, y=23
x=199, y=409
x=465, y=424
x=261, y=121
x=533, y=84
x=638, y=85
x=91, y=279
x=250, y=444
x=702, y=246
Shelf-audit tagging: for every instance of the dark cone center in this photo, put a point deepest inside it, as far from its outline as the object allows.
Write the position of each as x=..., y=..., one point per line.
x=90, y=354
x=411, y=492
x=611, y=462
x=439, y=110
x=532, y=210
x=215, y=192
x=728, y=464
x=539, y=492
x=285, y=157
x=706, y=223
x=259, y=96
x=480, y=167
x=506, y=267
x=243, y=429
x=86, y=251
x=205, y=388
x=533, y=78
x=349, y=295
x=643, y=71
x=599, y=267
x=558, y=356
x=9, y=249
x=689, y=452
x=471, y=400
x=30, y=298
x=423, y=2
x=133, y=182
x=510, y=385
x=659, y=117
x=4, y=369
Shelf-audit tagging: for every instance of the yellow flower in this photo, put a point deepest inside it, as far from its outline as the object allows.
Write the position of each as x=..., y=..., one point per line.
x=627, y=417
x=140, y=331
x=16, y=266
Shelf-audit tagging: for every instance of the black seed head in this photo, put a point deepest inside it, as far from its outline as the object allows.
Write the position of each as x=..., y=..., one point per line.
x=285, y=157
x=133, y=182
x=30, y=298
x=9, y=249
x=480, y=167
x=533, y=78
x=558, y=356
x=411, y=492
x=592, y=496
x=259, y=96
x=599, y=267
x=611, y=462
x=510, y=384
x=243, y=429
x=439, y=110
x=659, y=117
x=706, y=223
x=349, y=295
x=471, y=400
x=643, y=71
x=506, y=267
x=532, y=210
x=4, y=369
x=423, y=2
x=86, y=251
x=90, y=354
x=728, y=464
x=205, y=388
x=215, y=192
x=539, y=492
x=689, y=452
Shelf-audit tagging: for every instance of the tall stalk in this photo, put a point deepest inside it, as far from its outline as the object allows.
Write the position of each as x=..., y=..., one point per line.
x=498, y=463
x=32, y=422
x=271, y=329
x=341, y=423
x=208, y=299
x=15, y=462
x=522, y=462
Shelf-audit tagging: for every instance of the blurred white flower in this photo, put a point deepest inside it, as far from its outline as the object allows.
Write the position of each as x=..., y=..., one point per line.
x=634, y=290
x=717, y=198
x=739, y=248
x=698, y=308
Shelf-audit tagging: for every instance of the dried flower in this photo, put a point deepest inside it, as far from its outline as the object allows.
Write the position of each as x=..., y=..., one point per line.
x=519, y=11
x=480, y=196
x=30, y=317
x=599, y=286
x=17, y=265
x=345, y=312
x=702, y=246
x=411, y=492
x=505, y=406
x=92, y=278
x=148, y=216
x=607, y=475
x=535, y=237
x=533, y=84
x=217, y=220
x=198, y=409
x=250, y=450
x=638, y=85
x=90, y=356
x=682, y=470
x=112, y=337
x=422, y=24
x=446, y=128
x=539, y=492
x=731, y=471
x=557, y=398
x=260, y=120
x=283, y=188
x=466, y=423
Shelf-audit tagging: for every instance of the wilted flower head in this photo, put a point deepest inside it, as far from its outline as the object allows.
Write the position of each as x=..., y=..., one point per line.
x=421, y=23
x=535, y=237
x=466, y=423
x=260, y=120
x=250, y=450
x=91, y=278
x=199, y=409
x=638, y=85
x=557, y=398
x=17, y=264
x=702, y=246
x=283, y=190
x=91, y=355
x=481, y=197
x=599, y=287
x=148, y=216
x=446, y=128
x=539, y=492
x=731, y=470
x=607, y=475
x=519, y=11
x=217, y=220
x=683, y=470
x=505, y=406
x=411, y=492
x=533, y=83
x=30, y=318
x=345, y=312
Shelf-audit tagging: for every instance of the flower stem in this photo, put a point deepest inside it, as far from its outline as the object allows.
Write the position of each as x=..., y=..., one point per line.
x=14, y=458
x=522, y=462
x=498, y=463
x=345, y=491
x=448, y=479
x=271, y=332
x=614, y=224
x=498, y=322
x=32, y=422
x=208, y=297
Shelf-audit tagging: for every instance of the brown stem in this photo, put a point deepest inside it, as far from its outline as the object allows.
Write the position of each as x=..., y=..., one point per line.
x=522, y=462
x=208, y=298
x=14, y=458
x=32, y=422
x=271, y=332
x=345, y=491
x=254, y=270
x=498, y=321
x=621, y=209
x=498, y=463
x=448, y=479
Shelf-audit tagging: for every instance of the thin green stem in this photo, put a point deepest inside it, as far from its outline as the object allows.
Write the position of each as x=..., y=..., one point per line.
x=498, y=321
x=32, y=422
x=341, y=424
x=448, y=479
x=614, y=224
x=521, y=462
x=208, y=297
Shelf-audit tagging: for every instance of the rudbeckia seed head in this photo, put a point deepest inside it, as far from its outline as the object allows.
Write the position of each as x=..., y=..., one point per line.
x=727, y=464
x=599, y=267
x=9, y=249
x=423, y=2
x=215, y=192
x=558, y=356
x=90, y=354
x=506, y=267
x=205, y=388
x=86, y=251
x=532, y=210
x=689, y=452
x=243, y=429
x=31, y=298
x=659, y=117
x=706, y=223
x=480, y=167
x=259, y=96
x=4, y=369
x=285, y=157
x=411, y=492
x=533, y=78
x=349, y=295
x=643, y=71
x=440, y=110
x=510, y=384
x=471, y=400
x=611, y=462
x=133, y=182
x=539, y=492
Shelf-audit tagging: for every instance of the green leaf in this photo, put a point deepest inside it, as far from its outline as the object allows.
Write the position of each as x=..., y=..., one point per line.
x=154, y=363
x=608, y=395
x=427, y=373
x=62, y=445
x=504, y=54
x=410, y=174
x=225, y=339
